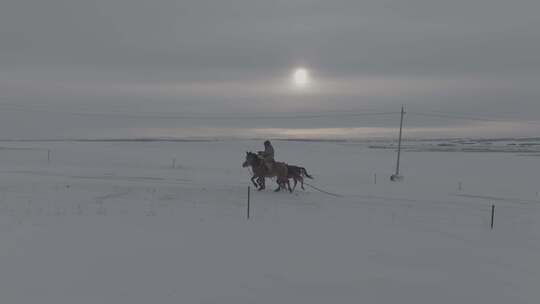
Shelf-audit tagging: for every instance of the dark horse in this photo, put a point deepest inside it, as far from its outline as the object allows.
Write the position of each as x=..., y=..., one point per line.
x=279, y=170
x=296, y=173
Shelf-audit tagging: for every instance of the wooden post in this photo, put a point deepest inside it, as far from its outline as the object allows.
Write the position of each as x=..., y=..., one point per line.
x=248, y=201
x=396, y=176
x=375, y=178
x=492, y=215
x=399, y=140
x=49, y=156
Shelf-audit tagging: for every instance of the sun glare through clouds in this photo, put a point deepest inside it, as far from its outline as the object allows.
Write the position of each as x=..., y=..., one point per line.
x=301, y=78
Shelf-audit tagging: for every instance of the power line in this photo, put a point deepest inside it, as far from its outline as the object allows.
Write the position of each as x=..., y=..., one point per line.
x=141, y=115
x=467, y=117
x=253, y=116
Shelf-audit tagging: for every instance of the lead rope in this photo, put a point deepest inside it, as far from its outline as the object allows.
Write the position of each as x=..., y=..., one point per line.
x=323, y=191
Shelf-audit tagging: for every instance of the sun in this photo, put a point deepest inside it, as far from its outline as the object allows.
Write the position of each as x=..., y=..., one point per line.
x=301, y=78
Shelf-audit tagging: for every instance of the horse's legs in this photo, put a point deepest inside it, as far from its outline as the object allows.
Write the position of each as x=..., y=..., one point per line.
x=295, y=182
x=261, y=182
x=279, y=181
x=253, y=181
x=289, y=186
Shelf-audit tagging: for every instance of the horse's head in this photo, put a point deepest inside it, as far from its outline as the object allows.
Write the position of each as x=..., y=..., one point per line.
x=250, y=158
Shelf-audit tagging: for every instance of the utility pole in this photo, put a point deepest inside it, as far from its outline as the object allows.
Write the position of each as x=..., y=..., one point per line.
x=396, y=176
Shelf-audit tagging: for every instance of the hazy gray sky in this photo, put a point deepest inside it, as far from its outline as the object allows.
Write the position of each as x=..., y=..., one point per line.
x=106, y=68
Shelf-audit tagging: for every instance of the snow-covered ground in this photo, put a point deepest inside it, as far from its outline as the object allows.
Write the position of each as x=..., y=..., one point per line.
x=114, y=222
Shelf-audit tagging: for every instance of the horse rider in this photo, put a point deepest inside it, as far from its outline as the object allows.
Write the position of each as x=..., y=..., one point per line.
x=267, y=155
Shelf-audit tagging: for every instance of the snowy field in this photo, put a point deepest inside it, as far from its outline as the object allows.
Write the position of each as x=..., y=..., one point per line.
x=114, y=222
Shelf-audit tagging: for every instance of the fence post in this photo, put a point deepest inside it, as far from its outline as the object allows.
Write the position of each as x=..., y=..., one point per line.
x=248, y=201
x=375, y=178
x=492, y=215
x=460, y=186
x=49, y=156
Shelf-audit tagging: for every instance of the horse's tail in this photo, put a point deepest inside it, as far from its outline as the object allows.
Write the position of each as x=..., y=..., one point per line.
x=303, y=171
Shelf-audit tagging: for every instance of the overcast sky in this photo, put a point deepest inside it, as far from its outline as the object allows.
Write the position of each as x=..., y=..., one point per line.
x=117, y=68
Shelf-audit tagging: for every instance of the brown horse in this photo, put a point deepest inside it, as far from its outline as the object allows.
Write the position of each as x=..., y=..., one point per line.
x=296, y=173
x=279, y=170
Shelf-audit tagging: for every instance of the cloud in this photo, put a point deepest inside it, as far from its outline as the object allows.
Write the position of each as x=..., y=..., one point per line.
x=223, y=56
